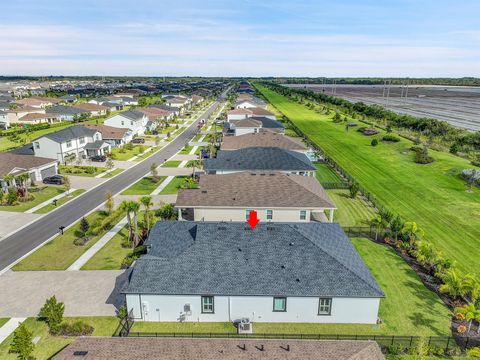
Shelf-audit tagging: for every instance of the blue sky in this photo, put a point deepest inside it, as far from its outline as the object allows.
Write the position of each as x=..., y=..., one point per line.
x=241, y=38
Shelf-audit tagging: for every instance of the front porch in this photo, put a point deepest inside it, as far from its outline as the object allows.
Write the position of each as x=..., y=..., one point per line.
x=97, y=148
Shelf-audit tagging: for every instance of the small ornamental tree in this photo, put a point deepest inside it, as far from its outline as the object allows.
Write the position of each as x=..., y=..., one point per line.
x=66, y=184
x=109, y=202
x=354, y=188
x=22, y=343
x=109, y=164
x=84, y=226
x=374, y=142
x=52, y=313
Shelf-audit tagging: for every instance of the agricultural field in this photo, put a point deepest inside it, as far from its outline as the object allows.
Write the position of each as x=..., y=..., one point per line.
x=459, y=106
x=432, y=195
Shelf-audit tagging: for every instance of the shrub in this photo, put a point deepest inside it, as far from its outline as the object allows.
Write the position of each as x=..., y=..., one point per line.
x=390, y=138
x=422, y=156
x=476, y=162
x=77, y=328
x=52, y=313
x=22, y=343
x=396, y=349
x=134, y=255
x=474, y=352
x=354, y=188
x=471, y=176
x=12, y=196
x=80, y=241
x=374, y=142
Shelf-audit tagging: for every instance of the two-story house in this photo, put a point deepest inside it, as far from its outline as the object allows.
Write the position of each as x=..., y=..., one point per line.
x=134, y=120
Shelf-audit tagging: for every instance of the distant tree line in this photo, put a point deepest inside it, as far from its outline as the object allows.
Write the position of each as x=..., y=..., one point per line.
x=464, y=81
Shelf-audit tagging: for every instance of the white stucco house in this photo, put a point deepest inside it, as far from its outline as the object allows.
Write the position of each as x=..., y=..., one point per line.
x=232, y=197
x=134, y=120
x=71, y=143
x=4, y=122
x=253, y=125
x=263, y=139
x=244, y=113
x=225, y=271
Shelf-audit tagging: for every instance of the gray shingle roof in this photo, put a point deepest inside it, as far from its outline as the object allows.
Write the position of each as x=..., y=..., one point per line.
x=290, y=259
x=268, y=123
x=72, y=132
x=65, y=110
x=132, y=114
x=259, y=158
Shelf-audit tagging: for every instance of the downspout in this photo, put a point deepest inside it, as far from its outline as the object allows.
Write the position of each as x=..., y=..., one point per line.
x=229, y=310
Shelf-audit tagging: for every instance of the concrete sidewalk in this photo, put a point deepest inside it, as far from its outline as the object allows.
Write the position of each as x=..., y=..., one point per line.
x=49, y=201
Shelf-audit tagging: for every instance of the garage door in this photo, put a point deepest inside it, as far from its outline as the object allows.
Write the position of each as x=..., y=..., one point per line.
x=50, y=171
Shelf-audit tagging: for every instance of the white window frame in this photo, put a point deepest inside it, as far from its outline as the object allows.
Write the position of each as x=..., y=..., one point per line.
x=69, y=143
x=325, y=306
x=82, y=141
x=268, y=215
x=205, y=303
x=284, y=298
x=304, y=212
x=36, y=145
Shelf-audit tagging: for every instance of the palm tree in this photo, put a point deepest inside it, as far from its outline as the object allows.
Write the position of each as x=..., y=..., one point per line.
x=131, y=207
x=147, y=203
x=194, y=164
x=455, y=283
x=425, y=253
x=378, y=223
x=471, y=313
x=412, y=231
x=23, y=181
x=10, y=180
x=135, y=206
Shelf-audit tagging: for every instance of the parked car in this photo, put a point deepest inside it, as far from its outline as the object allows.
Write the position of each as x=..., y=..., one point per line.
x=99, y=158
x=55, y=179
x=138, y=141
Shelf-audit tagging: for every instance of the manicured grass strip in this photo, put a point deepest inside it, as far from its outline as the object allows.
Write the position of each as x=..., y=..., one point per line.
x=147, y=154
x=61, y=252
x=110, y=256
x=112, y=173
x=40, y=194
x=185, y=327
x=186, y=150
x=171, y=163
x=432, y=195
x=60, y=201
x=350, y=212
x=89, y=171
x=325, y=174
x=49, y=345
x=144, y=186
x=124, y=154
x=173, y=186
x=3, y=321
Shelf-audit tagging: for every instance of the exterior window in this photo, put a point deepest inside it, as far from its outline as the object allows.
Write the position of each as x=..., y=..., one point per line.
x=69, y=143
x=131, y=122
x=37, y=145
x=280, y=304
x=269, y=214
x=82, y=141
x=324, y=306
x=247, y=214
x=207, y=305
x=97, y=136
x=123, y=122
x=303, y=214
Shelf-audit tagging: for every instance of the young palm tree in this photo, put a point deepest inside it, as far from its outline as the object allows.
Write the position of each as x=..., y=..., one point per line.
x=471, y=313
x=24, y=183
x=135, y=207
x=425, y=253
x=455, y=283
x=131, y=207
x=147, y=203
x=378, y=223
x=194, y=164
x=412, y=231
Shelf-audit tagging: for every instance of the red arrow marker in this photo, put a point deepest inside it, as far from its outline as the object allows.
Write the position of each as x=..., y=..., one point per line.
x=252, y=219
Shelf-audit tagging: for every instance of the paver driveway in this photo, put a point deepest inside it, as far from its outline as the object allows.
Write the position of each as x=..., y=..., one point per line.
x=85, y=293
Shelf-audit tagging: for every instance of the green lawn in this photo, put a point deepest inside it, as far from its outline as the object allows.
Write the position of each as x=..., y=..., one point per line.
x=60, y=201
x=325, y=174
x=89, y=171
x=112, y=173
x=110, y=256
x=350, y=212
x=144, y=186
x=147, y=154
x=6, y=144
x=432, y=195
x=123, y=154
x=49, y=345
x=173, y=186
x=3, y=321
x=186, y=150
x=61, y=252
x=40, y=194
x=171, y=163
x=189, y=327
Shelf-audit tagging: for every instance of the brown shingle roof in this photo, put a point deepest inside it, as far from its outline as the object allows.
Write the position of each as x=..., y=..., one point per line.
x=9, y=161
x=36, y=116
x=256, y=189
x=91, y=107
x=124, y=348
x=261, y=139
x=108, y=132
x=247, y=123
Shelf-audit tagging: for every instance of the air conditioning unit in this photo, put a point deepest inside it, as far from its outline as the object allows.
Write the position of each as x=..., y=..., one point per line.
x=245, y=326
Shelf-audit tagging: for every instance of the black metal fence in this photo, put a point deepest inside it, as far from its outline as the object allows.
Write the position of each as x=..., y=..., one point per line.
x=364, y=231
x=334, y=185
x=436, y=344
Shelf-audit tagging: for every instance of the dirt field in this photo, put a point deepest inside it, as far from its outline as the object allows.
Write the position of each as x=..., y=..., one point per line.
x=460, y=106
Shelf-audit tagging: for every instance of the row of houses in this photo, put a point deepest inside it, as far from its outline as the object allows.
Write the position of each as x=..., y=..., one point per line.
x=296, y=265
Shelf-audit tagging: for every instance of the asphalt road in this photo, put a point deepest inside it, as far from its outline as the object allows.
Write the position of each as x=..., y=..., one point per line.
x=25, y=240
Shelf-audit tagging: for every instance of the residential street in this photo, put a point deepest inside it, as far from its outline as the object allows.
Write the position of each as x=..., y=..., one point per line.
x=23, y=241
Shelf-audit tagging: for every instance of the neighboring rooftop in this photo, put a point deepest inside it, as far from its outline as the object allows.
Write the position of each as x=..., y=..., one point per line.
x=259, y=158
x=231, y=259
x=262, y=139
x=262, y=121
x=37, y=116
x=10, y=162
x=108, y=132
x=132, y=114
x=128, y=348
x=253, y=190
x=90, y=107
x=65, y=110
x=69, y=133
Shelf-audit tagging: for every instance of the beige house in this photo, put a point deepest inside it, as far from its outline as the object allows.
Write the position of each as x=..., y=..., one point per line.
x=276, y=196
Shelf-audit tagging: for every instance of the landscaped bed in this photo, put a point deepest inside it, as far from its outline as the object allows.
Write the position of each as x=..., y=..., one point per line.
x=61, y=252
x=40, y=194
x=174, y=185
x=60, y=201
x=186, y=150
x=90, y=171
x=432, y=195
x=144, y=186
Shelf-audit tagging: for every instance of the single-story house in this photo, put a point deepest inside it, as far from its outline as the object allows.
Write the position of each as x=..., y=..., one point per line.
x=250, y=102
x=114, y=136
x=259, y=159
x=179, y=102
x=225, y=271
x=244, y=113
x=68, y=113
x=37, y=102
x=93, y=109
x=134, y=120
x=112, y=106
x=262, y=139
x=231, y=197
x=71, y=143
x=13, y=115
x=68, y=98
x=253, y=125
x=134, y=348
x=37, y=167
x=156, y=114
x=35, y=118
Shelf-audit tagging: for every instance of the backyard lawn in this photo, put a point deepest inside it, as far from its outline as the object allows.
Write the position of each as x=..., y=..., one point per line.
x=325, y=174
x=171, y=163
x=61, y=252
x=144, y=186
x=49, y=345
x=60, y=201
x=432, y=195
x=350, y=212
x=173, y=186
x=89, y=171
x=40, y=194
